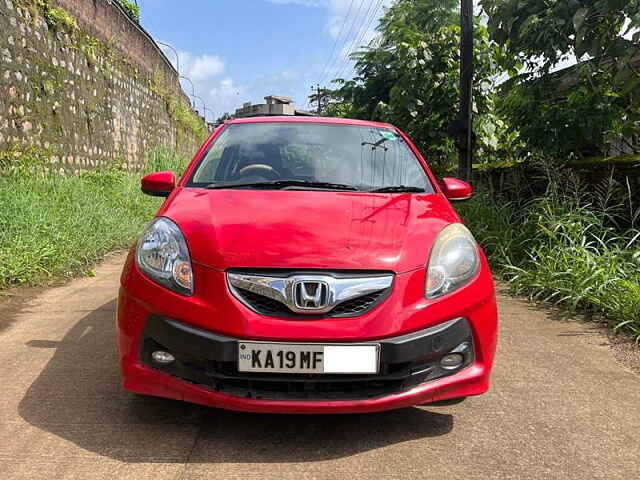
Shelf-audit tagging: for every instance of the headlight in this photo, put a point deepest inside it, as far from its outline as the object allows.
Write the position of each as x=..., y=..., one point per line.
x=163, y=256
x=454, y=261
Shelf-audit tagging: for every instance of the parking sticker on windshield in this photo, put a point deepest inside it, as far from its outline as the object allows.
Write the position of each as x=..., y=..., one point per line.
x=388, y=135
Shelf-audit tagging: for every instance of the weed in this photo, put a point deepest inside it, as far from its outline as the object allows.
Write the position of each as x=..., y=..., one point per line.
x=178, y=109
x=57, y=17
x=52, y=226
x=573, y=247
x=133, y=10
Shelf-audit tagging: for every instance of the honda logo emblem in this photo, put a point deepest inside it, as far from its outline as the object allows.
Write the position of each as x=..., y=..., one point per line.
x=311, y=295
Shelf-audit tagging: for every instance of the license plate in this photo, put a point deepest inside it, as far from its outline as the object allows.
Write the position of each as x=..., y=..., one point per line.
x=308, y=358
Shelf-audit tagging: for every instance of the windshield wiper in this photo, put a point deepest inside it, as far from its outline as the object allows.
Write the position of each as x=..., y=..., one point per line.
x=398, y=189
x=283, y=184
x=377, y=144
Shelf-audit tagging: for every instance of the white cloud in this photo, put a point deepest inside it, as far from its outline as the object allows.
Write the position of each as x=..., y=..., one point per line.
x=196, y=67
x=223, y=93
x=203, y=71
x=205, y=66
x=226, y=96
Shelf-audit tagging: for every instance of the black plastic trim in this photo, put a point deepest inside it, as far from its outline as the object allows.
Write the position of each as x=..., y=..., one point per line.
x=180, y=337
x=209, y=360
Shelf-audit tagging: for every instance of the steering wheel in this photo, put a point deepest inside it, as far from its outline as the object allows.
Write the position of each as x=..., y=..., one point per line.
x=259, y=169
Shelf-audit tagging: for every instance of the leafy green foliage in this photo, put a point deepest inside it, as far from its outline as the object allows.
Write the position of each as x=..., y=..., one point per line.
x=223, y=118
x=23, y=159
x=409, y=75
x=132, y=9
x=541, y=33
x=56, y=17
x=567, y=122
x=579, y=111
x=178, y=109
x=576, y=247
x=52, y=226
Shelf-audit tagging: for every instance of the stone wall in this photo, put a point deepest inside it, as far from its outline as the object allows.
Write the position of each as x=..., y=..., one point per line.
x=76, y=94
x=105, y=19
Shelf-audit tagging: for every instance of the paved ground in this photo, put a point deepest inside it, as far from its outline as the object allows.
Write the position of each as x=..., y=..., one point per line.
x=561, y=407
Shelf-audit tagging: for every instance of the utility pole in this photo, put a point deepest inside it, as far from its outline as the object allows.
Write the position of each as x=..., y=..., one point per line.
x=319, y=92
x=465, y=139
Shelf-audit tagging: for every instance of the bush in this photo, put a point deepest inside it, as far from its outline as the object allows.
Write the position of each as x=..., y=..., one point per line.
x=53, y=226
x=574, y=248
x=132, y=9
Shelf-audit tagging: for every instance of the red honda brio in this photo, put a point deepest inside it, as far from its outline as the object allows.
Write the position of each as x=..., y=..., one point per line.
x=307, y=265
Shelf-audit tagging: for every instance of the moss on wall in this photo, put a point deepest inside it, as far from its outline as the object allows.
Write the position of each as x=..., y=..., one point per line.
x=71, y=93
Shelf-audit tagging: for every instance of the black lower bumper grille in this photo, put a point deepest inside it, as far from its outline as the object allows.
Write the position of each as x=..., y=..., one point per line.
x=209, y=360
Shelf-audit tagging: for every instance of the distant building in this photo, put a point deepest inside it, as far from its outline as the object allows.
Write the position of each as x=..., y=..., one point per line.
x=275, y=105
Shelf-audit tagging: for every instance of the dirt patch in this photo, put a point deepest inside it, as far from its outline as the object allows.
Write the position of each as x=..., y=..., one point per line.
x=626, y=351
x=13, y=301
x=624, y=348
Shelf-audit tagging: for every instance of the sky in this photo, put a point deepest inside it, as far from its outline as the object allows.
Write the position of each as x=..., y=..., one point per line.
x=237, y=51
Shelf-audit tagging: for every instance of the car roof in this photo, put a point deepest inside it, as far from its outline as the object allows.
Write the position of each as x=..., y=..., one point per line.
x=326, y=120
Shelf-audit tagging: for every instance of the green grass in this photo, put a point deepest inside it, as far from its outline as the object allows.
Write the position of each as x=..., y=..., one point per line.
x=53, y=226
x=576, y=251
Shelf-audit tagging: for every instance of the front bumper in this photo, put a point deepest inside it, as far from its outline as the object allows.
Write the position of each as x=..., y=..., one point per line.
x=205, y=372
x=413, y=334
x=210, y=361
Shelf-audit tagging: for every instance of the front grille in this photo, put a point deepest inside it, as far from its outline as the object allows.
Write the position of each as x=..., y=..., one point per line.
x=350, y=308
x=357, y=305
x=264, y=305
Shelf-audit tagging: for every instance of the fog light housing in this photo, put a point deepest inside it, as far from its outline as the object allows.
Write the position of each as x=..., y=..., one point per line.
x=162, y=357
x=452, y=361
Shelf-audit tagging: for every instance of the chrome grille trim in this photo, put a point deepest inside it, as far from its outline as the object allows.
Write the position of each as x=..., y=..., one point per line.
x=281, y=289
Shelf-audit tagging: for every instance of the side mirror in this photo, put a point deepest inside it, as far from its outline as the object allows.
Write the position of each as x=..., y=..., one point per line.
x=159, y=184
x=457, y=190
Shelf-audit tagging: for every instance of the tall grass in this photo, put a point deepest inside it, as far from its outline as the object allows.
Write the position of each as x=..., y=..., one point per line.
x=575, y=247
x=52, y=225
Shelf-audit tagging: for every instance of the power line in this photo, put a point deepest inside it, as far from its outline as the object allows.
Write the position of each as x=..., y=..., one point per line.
x=360, y=35
x=371, y=19
x=351, y=30
x=357, y=40
x=335, y=43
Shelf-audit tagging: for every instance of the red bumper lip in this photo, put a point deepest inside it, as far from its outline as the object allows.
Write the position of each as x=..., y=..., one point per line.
x=474, y=380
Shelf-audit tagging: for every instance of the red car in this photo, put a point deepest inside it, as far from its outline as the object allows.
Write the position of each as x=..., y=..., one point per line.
x=307, y=265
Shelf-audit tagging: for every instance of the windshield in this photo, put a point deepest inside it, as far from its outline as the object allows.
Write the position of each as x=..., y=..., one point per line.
x=363, y=158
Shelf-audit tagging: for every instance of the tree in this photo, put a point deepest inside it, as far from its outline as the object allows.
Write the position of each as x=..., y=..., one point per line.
x=225, y=116
x=539, y=34
x=408, y=75
x=326, y=98
x=583, y=110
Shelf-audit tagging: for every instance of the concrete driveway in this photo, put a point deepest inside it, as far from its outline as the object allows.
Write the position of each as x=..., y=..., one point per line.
x=560, y=407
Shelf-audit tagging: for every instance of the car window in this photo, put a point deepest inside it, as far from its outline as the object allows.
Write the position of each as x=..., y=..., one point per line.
x=363, y=157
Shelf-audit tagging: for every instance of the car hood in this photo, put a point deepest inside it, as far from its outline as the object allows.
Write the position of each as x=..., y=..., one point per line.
x=309, y=229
